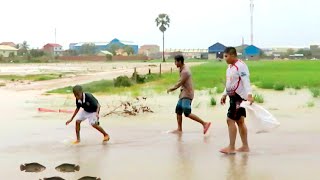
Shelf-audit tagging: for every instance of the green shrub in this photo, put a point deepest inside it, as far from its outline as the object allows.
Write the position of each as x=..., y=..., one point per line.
x=213, y=101
x=310, y=104
x=122, y=81
x=315, y=92
x=279, y=87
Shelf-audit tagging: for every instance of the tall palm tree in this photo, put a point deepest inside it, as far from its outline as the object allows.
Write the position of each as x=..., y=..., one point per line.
x=24, y=47
x=163, y=22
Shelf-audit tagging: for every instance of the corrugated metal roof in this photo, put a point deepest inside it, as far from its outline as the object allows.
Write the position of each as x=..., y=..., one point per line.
x=217, y=47
x=8, y=48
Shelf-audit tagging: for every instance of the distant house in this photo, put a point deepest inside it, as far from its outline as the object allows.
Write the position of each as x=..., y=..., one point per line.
x=149, y=50
x=240, y=49
x=102, y=46
x=251, y=52
x=189, y=53
x=53, y=49
x=315, y=51
x=121, y=44
x=216, y=51
x=8, y=44
x=6, y=51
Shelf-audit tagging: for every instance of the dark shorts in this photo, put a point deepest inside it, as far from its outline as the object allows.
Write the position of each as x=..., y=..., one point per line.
x=235, y=111
x=184, y=106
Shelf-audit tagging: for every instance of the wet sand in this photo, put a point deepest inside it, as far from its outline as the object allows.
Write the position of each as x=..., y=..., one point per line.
x=141, y=149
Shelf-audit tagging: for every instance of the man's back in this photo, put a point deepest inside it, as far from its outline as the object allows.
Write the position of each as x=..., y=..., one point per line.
x=186, y=87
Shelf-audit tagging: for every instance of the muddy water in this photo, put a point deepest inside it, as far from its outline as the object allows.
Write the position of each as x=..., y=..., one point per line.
x=140, y=148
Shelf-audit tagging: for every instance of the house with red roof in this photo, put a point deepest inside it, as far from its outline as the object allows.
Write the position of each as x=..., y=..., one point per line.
x=8, y=44
x=53, y=49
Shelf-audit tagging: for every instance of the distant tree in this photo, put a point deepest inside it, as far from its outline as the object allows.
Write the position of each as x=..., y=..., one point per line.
x=108, y=57
x=163, y=22
x=290, y=52
x=23, y=48
x=113, y=49
x=128, y=49
x=262, y=54
x=36, y=53
x=88, y=49
x=71, y=52
x=306, y=52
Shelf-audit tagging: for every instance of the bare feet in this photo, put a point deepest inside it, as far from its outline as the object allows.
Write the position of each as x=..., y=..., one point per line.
x=228, y=150
x=206, y=127
x=76, y=142
x=243, y=149
x=176, y=131
x=106, y=138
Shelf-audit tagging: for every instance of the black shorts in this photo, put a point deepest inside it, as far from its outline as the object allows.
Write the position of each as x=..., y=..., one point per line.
x=235, y=111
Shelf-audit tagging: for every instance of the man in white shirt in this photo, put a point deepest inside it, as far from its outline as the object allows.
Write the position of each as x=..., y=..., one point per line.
x=238, y=89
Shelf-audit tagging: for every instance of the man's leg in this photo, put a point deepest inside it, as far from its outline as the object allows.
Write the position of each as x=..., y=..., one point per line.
x=78, y=122
x=244, y=135
x=100, y=129
x=179, y=117
x=232, y=137
x=186, y=106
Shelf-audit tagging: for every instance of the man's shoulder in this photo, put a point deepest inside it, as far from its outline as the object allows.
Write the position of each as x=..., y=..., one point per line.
x=241, y=65
x=89, y=95
x=186, y=69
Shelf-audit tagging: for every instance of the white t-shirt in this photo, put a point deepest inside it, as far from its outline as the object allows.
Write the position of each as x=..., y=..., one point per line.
x=238, y=80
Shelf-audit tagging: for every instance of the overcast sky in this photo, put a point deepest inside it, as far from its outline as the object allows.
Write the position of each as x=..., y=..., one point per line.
x=194, y=23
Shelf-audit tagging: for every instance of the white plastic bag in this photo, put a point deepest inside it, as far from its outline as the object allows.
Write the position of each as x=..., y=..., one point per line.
x=261, y=120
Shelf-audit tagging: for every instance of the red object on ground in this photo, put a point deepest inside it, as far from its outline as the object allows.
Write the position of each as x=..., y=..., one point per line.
x=65, y=111
x=46, y=110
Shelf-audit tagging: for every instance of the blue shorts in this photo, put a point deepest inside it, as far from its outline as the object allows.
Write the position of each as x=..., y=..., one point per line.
x=184, y=106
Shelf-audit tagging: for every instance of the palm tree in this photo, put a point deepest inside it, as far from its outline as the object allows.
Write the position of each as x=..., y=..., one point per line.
x=24, y=47
x=163, y=22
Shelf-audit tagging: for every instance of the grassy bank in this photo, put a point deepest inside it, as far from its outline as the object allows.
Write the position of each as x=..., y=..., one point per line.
x=33, y=77
x=276, y=75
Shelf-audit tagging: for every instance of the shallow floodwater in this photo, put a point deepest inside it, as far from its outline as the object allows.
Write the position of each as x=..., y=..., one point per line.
x=141, y=149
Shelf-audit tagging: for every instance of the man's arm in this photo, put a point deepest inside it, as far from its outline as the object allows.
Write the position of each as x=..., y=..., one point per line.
x=74, y=114
x=245, y=78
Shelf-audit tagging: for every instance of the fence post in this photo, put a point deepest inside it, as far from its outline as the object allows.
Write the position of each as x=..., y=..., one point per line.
x=160, y=69
x=149, y=71
x=135, y=74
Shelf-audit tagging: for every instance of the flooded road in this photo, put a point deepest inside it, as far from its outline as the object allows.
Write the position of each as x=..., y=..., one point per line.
x=141, y=149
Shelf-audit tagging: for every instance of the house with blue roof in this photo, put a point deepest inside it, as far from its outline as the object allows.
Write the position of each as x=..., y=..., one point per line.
x=216, y=51
x=252, y=52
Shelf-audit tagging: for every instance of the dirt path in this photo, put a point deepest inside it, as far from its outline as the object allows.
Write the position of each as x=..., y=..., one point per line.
x=89, y=77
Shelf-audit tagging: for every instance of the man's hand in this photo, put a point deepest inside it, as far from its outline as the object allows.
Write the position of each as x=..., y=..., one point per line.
x=223, y=100
x=169, y=90
x=250, y=99
x=97, y=114
x=68, y=122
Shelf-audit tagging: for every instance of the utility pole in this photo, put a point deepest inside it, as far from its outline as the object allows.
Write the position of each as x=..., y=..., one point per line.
x=251, y=20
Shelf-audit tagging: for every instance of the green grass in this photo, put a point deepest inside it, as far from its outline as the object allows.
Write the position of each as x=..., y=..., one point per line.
x=315, y=92
x=213, y=101
x=33, y=77
x=310, y=104
x=258, y=98
x=276, y=75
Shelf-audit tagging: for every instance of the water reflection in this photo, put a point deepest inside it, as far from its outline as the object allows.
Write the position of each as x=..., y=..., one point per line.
x=237, y=169
x=184, y=162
